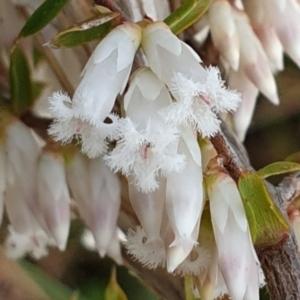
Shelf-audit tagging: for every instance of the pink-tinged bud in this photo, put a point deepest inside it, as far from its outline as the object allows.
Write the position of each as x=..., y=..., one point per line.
x=97, y=192
x=253, y=59
x=288, y=31
x=53, y=196
x=243, y=115
x=22, y=150
x=272, y=46
x=237, y=264
x=223, y=32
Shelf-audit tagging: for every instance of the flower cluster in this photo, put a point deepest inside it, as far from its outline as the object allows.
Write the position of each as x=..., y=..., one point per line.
x=172, y=96
x=167, y=104
x=251, y=37
x=36, y=187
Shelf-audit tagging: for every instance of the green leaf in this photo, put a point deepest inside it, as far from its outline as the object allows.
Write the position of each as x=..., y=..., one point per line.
x=42, y=16
x=277, y=168
x=113, y=291
x=89, y=30
x=294, y=157
x=54, y=289
x=20, y=82
x=267, y=225
x=187, y=14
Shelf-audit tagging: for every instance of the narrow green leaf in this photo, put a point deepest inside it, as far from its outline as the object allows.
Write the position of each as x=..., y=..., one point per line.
x=113, y=291
x=277, y=168
x=53, y=288
x=187, y=14
x=267, y=225
x=89, y=30
x=294, y=157
x=20, y=83
x=42, y=16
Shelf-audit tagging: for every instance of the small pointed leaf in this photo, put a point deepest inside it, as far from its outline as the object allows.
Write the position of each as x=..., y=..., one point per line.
x=187, y=14
x=294, y=157
x=89, y=30
x=42, y=16
x=277, y=168
x=113, y=291
x=267, y=225
x=20, y=82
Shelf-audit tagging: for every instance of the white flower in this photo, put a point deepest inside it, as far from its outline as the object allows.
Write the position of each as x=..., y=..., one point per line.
x=53, y=197
x=200, y=93
x=199, y=102
x=223, y=32
x=22, y=150
x=147, y=146
x=253, y=60
x=104, y=77
x=184, y=200
x=149, y=208
x=243, y=115
x=68, y=124
x=150, y=254
x=106, y=73
x=238, y=265
x=96, y=190
x=167, y=55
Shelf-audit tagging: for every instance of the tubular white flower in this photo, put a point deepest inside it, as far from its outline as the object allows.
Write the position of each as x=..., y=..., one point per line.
x=179, y=252
x=145, y=243
x=167, y=55
x=149, y=208
x=243, y=115
x=237, y=264
x=97, y=192
x=107, y=72
x=223, y=32
x=53, y=197
x=272, y=46
x=147, y=146
x=184, y=196
x=283, y=16
x=22, y=150
x=200, y=93
x=253, y=59
x=104, y=77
